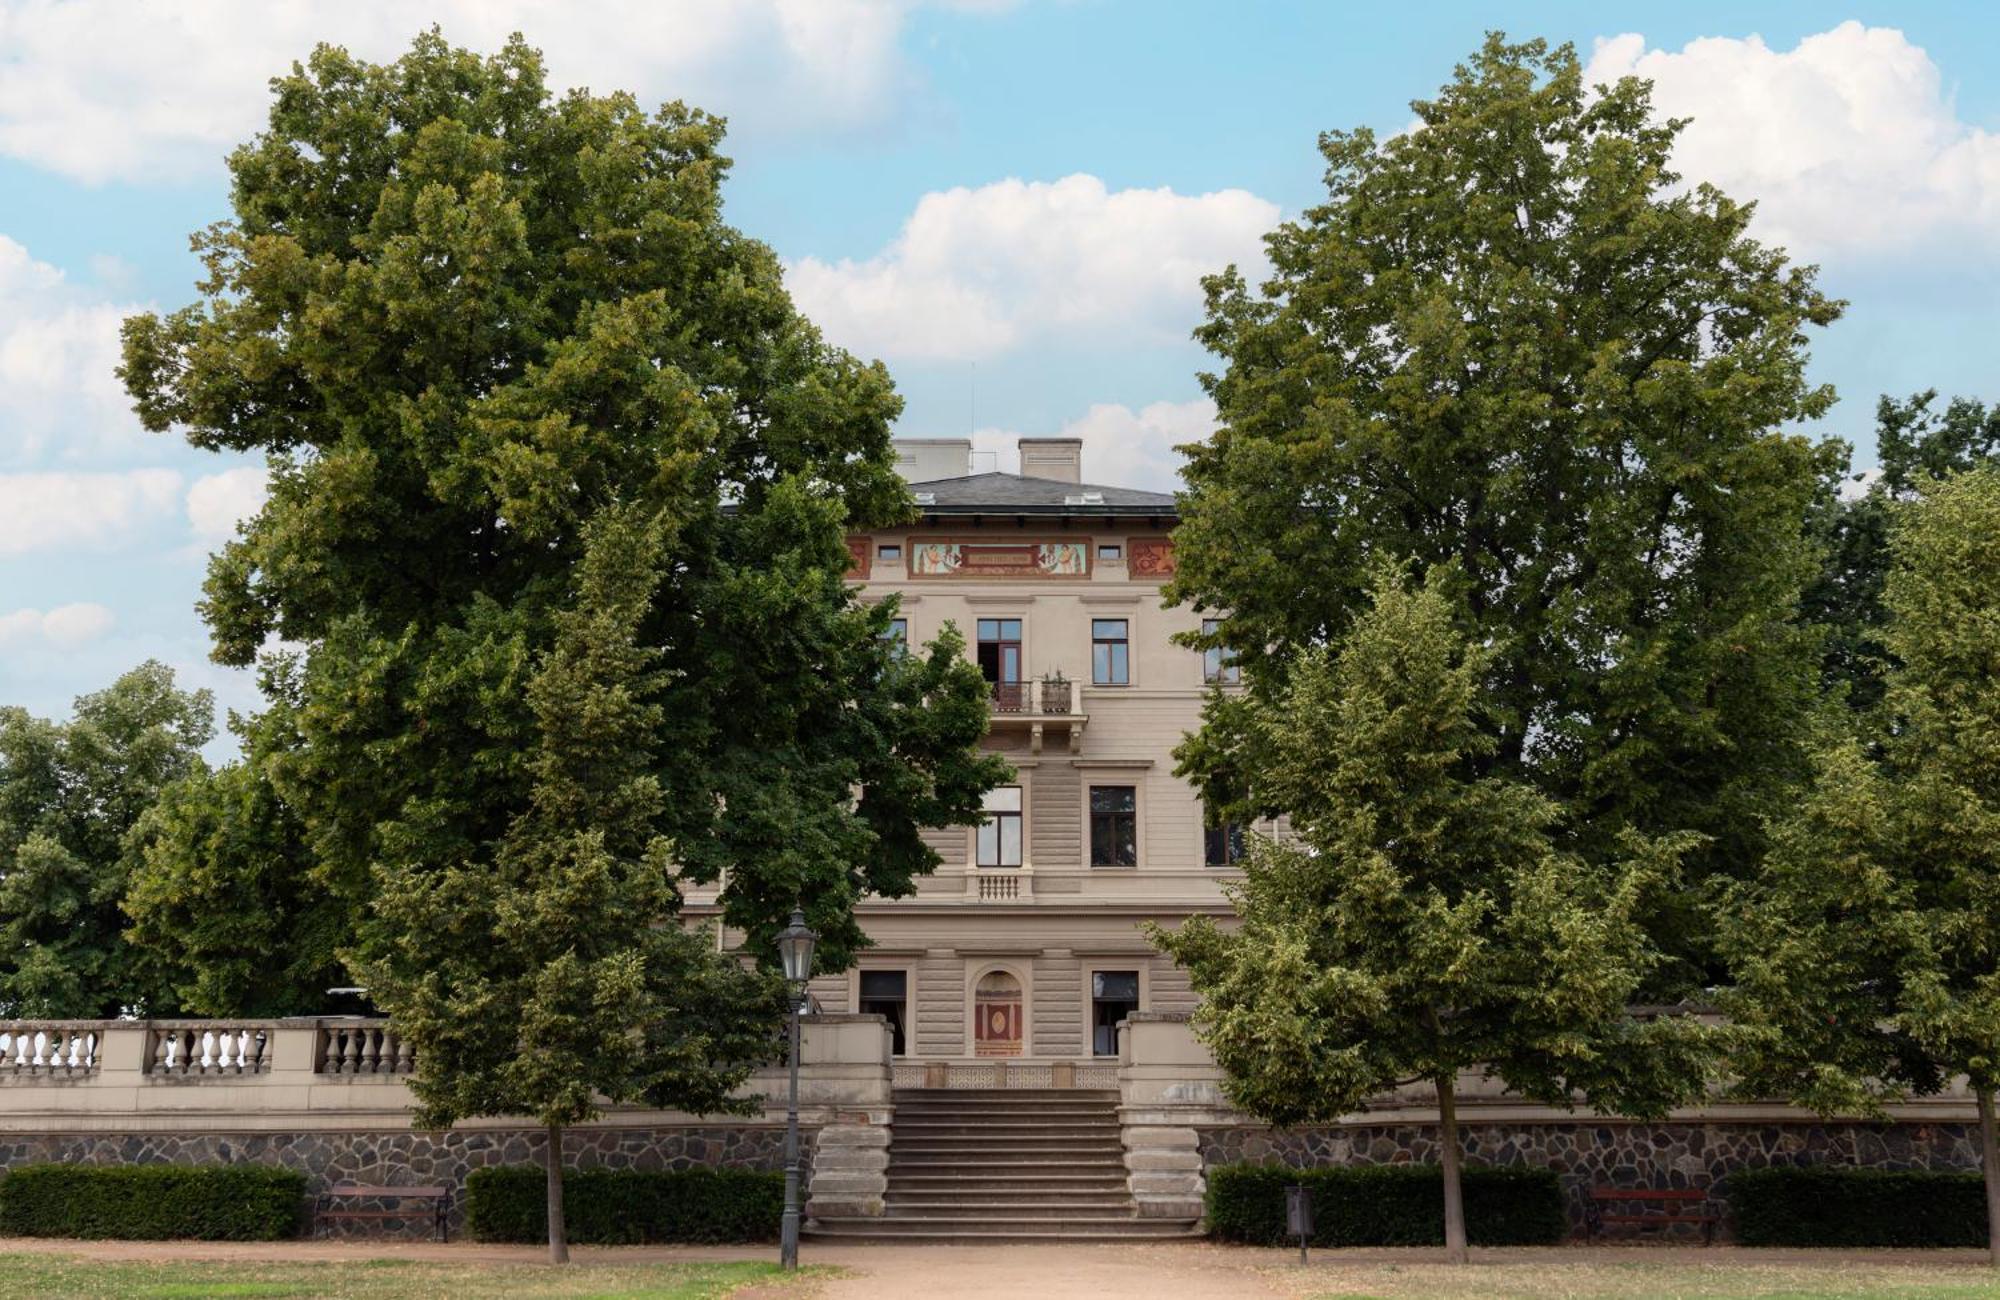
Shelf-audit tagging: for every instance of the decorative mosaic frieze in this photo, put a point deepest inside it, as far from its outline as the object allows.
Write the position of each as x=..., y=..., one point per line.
x=1013, y=559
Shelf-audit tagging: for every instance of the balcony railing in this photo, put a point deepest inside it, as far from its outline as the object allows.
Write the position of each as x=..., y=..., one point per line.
x=1054, y=696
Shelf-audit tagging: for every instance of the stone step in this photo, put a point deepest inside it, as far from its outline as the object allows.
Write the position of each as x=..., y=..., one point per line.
x=1003, y=1123
x=989, y=1231
x=905, y=1117
x=1009, y=1141
x=985, y=1175
x=1055, y=1157
x=933, y=1203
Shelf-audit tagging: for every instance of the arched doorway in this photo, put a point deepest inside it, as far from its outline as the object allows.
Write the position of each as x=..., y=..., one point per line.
x=996, y=1014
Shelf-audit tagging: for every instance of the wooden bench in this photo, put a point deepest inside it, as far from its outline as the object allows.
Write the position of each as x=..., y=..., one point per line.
x=439, y=1197
x=1694, y=1205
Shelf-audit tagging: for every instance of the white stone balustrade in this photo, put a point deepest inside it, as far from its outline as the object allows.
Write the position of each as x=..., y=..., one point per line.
x=339, y=1073
x=201, y=1049
x=48, y=1049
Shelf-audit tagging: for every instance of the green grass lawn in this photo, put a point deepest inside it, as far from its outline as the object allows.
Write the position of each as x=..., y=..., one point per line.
x=1604, y=1275
x=47, y=1277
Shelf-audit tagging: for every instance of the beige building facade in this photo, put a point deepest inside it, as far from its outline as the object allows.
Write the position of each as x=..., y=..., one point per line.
x=1017, y=959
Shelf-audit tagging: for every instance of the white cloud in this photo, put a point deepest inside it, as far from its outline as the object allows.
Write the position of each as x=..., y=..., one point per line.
x=975, y=272
x=1848, y=142
x=58, y=353
x=45, y=512
x=1121, y=447
x=65, y=627
x=102, y=89
x=216, y=503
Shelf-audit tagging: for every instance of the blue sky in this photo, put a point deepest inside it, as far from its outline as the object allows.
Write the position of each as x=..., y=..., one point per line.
x=1009, y=202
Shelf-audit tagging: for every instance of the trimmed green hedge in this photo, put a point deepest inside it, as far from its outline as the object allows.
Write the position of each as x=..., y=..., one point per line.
x=152, y=1202
x=626, y=1207
x=1857, y=1207
x=1386, y=1205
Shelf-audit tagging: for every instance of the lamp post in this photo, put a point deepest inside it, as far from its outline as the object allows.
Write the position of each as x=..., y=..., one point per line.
x=795, y=953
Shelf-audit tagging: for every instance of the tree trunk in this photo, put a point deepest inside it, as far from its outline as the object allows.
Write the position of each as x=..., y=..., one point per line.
x=1989, y=1158
x=558, y=1229
x=1454, y=1201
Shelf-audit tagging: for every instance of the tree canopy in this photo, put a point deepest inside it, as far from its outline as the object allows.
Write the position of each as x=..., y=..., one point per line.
x=1512, y=340
x=222, y=896
x=1915, y=441
x=463, y=317
x=1866, y=951
x=542, y=983
x=1418, y=921
x=70, y=793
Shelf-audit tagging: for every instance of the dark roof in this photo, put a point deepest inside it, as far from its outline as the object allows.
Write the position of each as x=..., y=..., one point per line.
x=1018, y=494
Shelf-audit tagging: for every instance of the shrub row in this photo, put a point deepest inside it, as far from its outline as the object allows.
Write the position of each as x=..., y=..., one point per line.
x=1857, y=1207
x=625, y=1207
x=1386, y=1205
x=152, y=1202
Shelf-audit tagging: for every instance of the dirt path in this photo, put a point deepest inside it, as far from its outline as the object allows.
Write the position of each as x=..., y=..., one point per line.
x=1179, y=1270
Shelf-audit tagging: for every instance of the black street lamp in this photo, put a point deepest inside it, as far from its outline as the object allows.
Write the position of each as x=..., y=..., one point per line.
x=795, y=954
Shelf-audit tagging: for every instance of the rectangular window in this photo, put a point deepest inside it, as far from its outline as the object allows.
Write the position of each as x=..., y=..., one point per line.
x=999, y=652
x=1000, y=833
x=892, y=553
x=1114, y=995
x=1218, y=663
x=1110, y=652
x=1110, y=551
x=1114, y=826
x=1222, y=844
x=886, y=993
x=897, y=634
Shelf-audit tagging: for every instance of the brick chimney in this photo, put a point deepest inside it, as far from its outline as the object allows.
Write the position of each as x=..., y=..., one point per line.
x=1060, y=459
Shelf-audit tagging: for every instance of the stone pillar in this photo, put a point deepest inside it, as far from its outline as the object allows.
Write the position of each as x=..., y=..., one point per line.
x=846, y=1071
x=850, y=1171
x=1168, y=1087
x=1163, y=1171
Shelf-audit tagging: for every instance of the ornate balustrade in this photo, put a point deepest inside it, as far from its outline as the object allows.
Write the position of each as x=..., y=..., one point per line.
x=309, y=1074
x=49, y=1049
x=370, y=1047
x=206, y=1050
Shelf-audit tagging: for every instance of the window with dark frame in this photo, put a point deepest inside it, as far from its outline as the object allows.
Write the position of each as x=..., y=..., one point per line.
x=1114, y=826
x=1110, y=551
x=891, y=552
x=1222, y=844
x=897, y=634
x=999, y=656
x=886, y=993
x=1114, y=995
x=999, y=835
x=1110, y=652
x=1218, y=663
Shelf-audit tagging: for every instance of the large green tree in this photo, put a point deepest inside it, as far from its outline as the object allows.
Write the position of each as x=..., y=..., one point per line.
x=546, y=981
x=1866, y=953
x=1512, y=339
x=461, y=316
x=222, y=897
x=1915, y=440
x=70, y=793
x=1419, y=921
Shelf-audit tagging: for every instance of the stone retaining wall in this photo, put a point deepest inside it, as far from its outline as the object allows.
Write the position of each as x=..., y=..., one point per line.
x=1587, y=1153
x=402, y=1156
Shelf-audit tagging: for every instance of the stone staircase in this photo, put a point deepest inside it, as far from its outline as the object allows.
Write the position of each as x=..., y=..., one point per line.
x=1016, y=1164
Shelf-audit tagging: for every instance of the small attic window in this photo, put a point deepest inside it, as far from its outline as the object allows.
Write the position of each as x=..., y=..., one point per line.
x=1084, y=499
x=925, y=498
